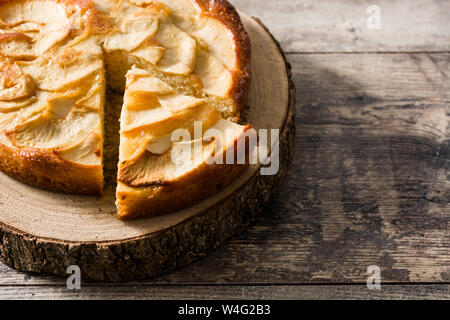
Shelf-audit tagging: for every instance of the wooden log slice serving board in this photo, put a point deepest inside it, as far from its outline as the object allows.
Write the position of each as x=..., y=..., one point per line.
x=46, y=232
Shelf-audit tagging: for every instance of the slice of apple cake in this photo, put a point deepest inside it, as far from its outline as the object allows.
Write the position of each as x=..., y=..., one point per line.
x=173, y=148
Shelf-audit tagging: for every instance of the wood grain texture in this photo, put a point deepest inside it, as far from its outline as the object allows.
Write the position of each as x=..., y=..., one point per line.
x=369, y=184
x=330, y=25
x=241, y=292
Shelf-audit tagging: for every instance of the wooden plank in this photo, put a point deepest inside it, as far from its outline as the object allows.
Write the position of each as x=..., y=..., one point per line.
x=329, y=25
x=177, y=292
x=369, y=184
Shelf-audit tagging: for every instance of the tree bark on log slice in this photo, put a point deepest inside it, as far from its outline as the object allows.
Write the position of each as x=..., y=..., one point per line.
x=44, y=232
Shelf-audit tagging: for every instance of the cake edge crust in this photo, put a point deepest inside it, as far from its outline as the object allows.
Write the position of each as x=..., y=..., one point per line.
x=226, y=13
x=43, y=168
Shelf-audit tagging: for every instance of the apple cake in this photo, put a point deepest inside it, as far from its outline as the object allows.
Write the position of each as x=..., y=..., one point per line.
x=179, y=66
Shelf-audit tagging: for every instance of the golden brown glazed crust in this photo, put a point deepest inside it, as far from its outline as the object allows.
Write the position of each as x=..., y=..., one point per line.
x=223, y=11
x=12, y=36
x=160, y=200
x=45, y=169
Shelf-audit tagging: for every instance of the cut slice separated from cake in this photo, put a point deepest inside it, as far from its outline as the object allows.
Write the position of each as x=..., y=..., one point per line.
x=173, y=149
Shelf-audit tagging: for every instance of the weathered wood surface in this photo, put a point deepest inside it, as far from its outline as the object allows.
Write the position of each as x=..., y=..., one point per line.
x=240, y=292
x=369, y=184
x=330, y=25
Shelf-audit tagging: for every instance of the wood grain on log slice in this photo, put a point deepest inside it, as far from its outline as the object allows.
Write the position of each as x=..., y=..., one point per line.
x=47, y=232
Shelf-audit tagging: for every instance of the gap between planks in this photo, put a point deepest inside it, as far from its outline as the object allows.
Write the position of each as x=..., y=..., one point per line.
x=222, y=285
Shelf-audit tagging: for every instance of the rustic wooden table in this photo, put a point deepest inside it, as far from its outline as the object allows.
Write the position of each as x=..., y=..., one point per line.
x=370, y=180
